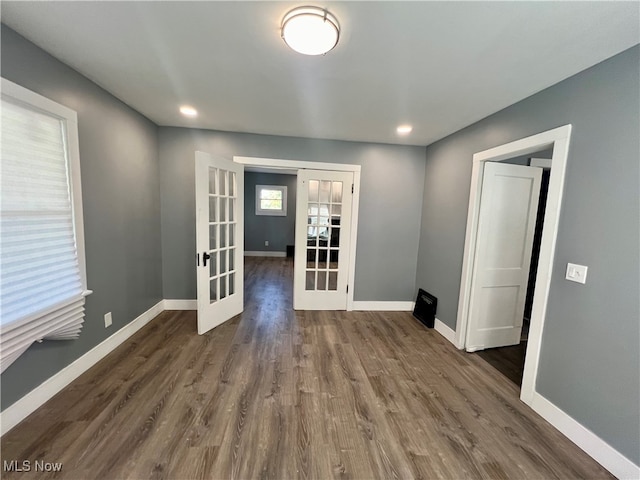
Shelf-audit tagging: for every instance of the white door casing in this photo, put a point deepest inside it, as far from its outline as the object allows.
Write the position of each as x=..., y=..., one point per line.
x=219, y=240
x=558, y=140
x=507, y=218
x=323, y=233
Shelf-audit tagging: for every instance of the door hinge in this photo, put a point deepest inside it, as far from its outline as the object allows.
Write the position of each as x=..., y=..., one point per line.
x=352, y=186
x=347, y=288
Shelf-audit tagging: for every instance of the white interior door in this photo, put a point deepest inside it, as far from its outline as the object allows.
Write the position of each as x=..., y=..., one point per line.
x=219, y=239
x=323, y=221
x=508, y=211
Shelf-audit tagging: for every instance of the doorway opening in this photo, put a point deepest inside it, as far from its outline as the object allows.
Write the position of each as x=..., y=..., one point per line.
x=324, y=243
x=510, y=360
x=269, y=233
x=556, y=140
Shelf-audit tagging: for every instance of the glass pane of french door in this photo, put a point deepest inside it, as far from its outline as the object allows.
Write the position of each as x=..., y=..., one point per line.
x=222, y=233
x=324, y=208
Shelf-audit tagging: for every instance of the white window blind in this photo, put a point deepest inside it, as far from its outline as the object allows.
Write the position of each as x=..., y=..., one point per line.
x=42, y=278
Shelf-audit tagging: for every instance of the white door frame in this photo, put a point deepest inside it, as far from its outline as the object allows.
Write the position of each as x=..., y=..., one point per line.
x=338, y=167
x=558, y=139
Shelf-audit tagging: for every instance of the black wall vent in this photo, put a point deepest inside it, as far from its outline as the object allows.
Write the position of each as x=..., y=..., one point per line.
x=425, y=309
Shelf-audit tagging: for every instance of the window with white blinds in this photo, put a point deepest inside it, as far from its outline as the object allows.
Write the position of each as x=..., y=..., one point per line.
x=42, y=269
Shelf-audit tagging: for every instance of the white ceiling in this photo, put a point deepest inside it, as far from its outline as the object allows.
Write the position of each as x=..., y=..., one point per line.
x=439, y=66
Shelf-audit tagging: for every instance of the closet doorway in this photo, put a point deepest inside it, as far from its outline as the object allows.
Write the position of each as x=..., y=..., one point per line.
x=557, y=140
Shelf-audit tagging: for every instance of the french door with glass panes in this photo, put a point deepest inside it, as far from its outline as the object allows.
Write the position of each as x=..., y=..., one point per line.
x=219, y=239
x=323, y=220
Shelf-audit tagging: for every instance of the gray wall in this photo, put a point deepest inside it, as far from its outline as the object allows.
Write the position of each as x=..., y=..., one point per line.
x=589, y=365
x=278, y=231
x=121, y=198
x=390, y=204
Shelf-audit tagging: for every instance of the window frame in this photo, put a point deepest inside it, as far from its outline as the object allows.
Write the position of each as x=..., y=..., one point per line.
x=62, y=320
x=276, y=213
x=69, y=118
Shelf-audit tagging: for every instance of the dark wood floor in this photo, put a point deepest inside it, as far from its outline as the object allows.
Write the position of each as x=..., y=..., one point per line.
x=507, y=360
x=281, y=394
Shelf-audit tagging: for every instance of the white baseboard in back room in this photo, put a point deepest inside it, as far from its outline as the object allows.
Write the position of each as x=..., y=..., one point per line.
x=170, y=304
x=265, y=254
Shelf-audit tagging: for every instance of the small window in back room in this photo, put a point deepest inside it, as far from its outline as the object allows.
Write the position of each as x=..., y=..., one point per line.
x=271, y=200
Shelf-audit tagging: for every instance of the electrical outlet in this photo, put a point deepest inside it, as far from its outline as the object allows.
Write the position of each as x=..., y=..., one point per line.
x=266, y=243
x=108, y=320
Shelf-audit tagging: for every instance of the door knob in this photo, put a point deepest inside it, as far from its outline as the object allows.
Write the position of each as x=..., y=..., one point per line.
x=205, y=257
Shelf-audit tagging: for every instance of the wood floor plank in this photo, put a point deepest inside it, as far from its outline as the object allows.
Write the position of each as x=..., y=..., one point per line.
x=280, y=394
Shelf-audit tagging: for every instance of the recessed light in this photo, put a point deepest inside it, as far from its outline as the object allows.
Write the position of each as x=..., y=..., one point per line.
x=404, y=129
x=188, y=111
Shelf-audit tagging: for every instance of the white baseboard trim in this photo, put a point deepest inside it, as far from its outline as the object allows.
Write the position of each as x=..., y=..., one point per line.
x=594, y=446
x=445, y=330
x=24, y=407
x=180, y=304
x=383, y=306
x=265, y=254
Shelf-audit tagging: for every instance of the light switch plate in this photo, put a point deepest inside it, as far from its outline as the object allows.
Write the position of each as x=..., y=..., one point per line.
x=576, y=273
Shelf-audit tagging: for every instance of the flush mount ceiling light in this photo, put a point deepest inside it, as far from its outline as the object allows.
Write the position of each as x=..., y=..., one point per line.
x=310, y=30
x=404, y=129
